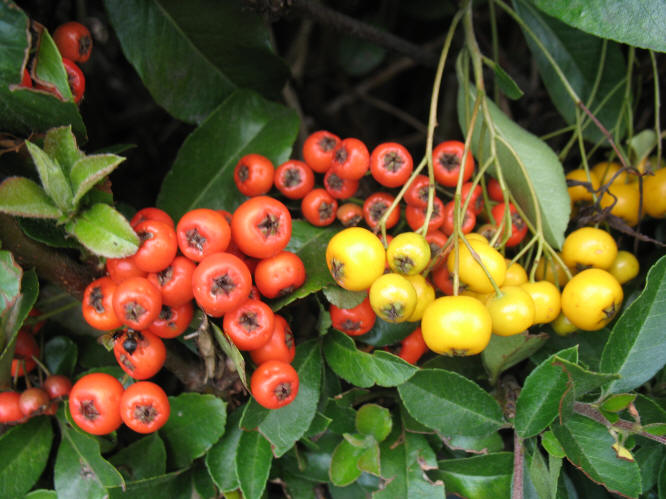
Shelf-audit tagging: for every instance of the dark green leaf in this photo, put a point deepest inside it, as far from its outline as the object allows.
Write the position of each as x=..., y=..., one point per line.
x=80, y=470
x=578, y=55
x=320, y=424
x=366, y=485
x=225, y=46
x=89, y=170
x=661, y=483
x=617, y=403
x=358, y=57
x=60, y=144
x=253, y=463
x=588, y=446
x=524, y=159
x=48, y=231
x=105, y=232
x=175, y=485
x=24, y=452
x=10, y=282
x=231, y=351
x=504, y=352
x=142, y=459
x=344, y=464
x=53, y=178
x=196, y=423
x=221, y=457
x=309, y=243
x=450, y=403
x=581, y=379
x=636, y=344
x=387, y=333
x=202, y=174
x=343, y=417
x=343, y=298
x=364, y=369
x=22, y=197
x=60, y=355
x=502, y=79
x=636, y=23
x=470, y=367
x=375, y=420
x=649, y=457
x=538, y=402
x=649, y=409
x=478, y=476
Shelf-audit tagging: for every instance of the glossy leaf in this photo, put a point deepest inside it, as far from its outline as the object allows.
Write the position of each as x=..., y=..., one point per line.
x=22, y=197
x=176, y=485
x=202, y=174
x=80, y=470
x=478, y=476
x=60, y=355
x=364, y=369
x=343, y=298
x=344, y=464
x=221, y=457
x=578, y=55
x=24, y=452
x=142, y=459
x=204, y=49
x=635, y=23
x=450, y=403
x=502, y=79
x=10, y=281
x=231, y=351
x=60, y=144
x=538, y=402
x=253, y=463
x=588, y=445
x=309, y=243
x=636, y=344
x=105, y=232
x=504, y=352
x=196, y=423
x=285, y=426
x=580, y=379
x=525, y=159
x=53, y=178
x=375, y=420
x=89, y=170
x=50, y=70
x=387, y=333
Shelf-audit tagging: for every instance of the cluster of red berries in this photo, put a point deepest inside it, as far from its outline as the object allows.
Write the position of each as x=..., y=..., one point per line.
x=74, y=43
x=35, y=400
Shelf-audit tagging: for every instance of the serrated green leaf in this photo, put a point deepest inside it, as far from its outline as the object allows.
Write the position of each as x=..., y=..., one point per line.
x=22, y=197
x=221, y=457
x=588, y=445
x=80, y=470
x=10, y=282
x=364, y=369
x=253, y=463
x=478, y=476
x=60, y=144
x=105, y=232
x=524, y=159
x=538, y=402
x=195, y=424
x=504, y=81
x=24, y=452
x=89, y=170
x=450, y=403
x=635, y=23
x=231, y=351
x=60, y=355
x=142, y=459
x=226, y=46
x=53, y=178
x=504, y=352
x=343, y=298
x=582, y=380
x=636, y=343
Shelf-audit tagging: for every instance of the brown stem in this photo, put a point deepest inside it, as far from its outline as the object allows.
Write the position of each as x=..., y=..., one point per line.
x=518, y=467
x=593, y=413
x=603, y=130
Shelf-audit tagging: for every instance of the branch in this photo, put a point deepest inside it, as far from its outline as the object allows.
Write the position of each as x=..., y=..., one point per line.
x=518, y=467
x=592, y=413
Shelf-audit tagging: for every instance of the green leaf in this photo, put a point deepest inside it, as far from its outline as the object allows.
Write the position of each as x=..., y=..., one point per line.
x=588, y=446
x=42, y=494
x=244, y=123
x=582, y=380
x=221, y=457
x=502, y=79
x=24, y=452
x=343, y=298
x=636, y=344
x=358, y=57
x=539, y=474
x=642, y=144
x=89, y=170
x=504, y=352
x=204, y=49
x=24, y=198
x=661, y=484
x=525, y=159
x=49, y=232
x=375, y=420
x=53, y=178
x=649, y=457
x=364, y=369
x=196, y=423
x=10, y=281
x=60, y=145
x=387, y=333
x=50, y=71
x=635, y=23
x=142, y=459
x=60, y=355
x=231, y=351
x=538, y=402
x=344, y=468
x=175, y=485
x=578, y=55
x=403, y=468
x=550, y=443
x=105, y=232
x=319, y=425
x=253, y=463
x=80, y=470
x=617, y=403
x=450, y=403
x=285, y=426
x=478, y=476
x=477, y=445
x=309, y=243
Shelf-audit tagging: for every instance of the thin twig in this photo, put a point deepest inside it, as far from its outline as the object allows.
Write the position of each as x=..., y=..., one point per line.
x=518, y=467
x=603, y=130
